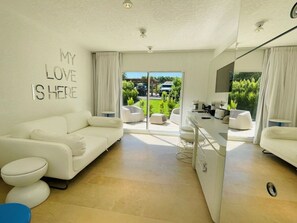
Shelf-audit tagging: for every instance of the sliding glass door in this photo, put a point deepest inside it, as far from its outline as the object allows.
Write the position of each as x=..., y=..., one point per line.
x=134, y=102
x=152, y=101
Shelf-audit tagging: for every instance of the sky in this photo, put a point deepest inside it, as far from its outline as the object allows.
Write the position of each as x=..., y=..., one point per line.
x=154, y=74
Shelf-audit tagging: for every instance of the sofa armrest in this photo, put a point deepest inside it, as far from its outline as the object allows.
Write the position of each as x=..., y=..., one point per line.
x=58, y=156
x=105, y=122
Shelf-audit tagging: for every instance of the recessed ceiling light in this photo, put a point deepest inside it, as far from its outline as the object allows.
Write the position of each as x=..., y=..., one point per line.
x=142, y=32
x=150, y=49
x=293, y=13
x=127, y=4
x=259, y=26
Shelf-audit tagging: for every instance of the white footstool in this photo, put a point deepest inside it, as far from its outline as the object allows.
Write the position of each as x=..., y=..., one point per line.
x=158, y=119
x=25, y=175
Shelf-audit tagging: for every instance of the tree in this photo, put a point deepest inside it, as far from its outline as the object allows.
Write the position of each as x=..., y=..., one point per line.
x=163, y=79
x=176, y=88
x=245, y=93
x=246, y=76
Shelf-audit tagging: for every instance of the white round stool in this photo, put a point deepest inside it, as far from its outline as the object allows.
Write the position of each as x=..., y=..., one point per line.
x=187, y=139
x=25, y=175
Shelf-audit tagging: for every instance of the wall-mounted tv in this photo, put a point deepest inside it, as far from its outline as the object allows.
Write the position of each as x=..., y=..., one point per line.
x=224, y=78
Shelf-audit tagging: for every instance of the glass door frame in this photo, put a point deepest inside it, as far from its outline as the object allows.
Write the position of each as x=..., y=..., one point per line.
x=147, y=130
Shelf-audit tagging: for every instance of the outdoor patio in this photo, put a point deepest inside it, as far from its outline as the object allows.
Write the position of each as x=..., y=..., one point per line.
x=242, y=135
x=168, y=126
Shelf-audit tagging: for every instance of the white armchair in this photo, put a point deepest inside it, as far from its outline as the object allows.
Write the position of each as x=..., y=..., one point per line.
x=240, y=119
x=175, y=116
x=131, y=113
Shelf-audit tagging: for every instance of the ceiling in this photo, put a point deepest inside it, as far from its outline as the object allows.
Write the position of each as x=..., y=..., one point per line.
x=275, y=13
x=105, y=25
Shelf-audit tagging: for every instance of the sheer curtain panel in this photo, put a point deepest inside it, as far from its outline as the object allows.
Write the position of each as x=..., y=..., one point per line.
x=278, y=88
x=107, y=82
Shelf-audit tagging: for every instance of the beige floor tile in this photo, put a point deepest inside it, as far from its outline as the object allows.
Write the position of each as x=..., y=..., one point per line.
x=245, y=198
x=138, y=180
x=58, y=213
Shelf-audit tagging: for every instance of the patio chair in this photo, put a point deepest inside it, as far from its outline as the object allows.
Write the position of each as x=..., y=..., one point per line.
x=132, y=113
x=240, y=119
x=175, y=116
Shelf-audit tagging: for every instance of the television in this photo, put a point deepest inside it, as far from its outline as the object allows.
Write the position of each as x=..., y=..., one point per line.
x=224, y=78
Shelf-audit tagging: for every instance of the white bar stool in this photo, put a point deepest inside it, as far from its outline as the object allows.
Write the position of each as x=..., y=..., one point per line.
x=187, y=139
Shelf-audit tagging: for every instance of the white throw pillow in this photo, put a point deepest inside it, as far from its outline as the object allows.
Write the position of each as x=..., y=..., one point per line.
x=77, y=120
x=76, y=142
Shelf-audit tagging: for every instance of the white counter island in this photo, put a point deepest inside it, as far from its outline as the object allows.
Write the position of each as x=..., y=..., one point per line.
x=209, y=158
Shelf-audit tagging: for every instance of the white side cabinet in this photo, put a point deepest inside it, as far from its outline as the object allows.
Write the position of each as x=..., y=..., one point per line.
x=209, y=159
x=210, y=166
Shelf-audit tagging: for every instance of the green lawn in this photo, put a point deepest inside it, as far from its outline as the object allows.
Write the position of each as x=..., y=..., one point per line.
x=156, y=106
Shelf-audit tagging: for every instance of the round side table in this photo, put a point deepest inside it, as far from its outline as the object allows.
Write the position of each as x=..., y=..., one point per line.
x=108, y=113
x=279, y=122
x=25, y=175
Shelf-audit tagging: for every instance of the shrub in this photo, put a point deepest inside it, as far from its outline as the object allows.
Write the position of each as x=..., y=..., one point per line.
x=171, y=105
x=244, y=95
x=151, y=109
x=176, y=88
x=162, y=107
x=141, y=103
x=129, y=91
x=232, y=105
x=164, y=96
x=130, y=101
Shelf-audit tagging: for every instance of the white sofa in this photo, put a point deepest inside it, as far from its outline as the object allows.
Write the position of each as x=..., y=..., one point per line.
x=97, y=134
x=131, y=113
x=282, y=142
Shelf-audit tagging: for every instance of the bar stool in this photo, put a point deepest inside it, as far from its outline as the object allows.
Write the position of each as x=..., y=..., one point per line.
x=187, y=139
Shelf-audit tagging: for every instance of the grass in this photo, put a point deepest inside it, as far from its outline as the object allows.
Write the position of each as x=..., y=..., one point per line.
x=155, y=103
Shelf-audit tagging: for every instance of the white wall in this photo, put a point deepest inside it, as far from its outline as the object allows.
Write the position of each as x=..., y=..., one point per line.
x=251, y=62
x=195, y=66
x=25, y=50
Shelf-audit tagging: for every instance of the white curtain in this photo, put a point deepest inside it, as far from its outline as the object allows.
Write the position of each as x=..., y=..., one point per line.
x=278, y=88
x=107, y=82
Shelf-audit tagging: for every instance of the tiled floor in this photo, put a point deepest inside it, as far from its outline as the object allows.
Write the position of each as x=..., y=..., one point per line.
x=168, y=126
x=242, y=135
x=138, y=180
x=245, y=198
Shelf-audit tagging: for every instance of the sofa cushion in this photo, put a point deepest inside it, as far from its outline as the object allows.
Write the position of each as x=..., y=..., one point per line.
x=105, y=122
x=76, y=143
x=77, y=120
x=95, y=146
x=53, y=124
x=111, y=134
x=285, y=133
